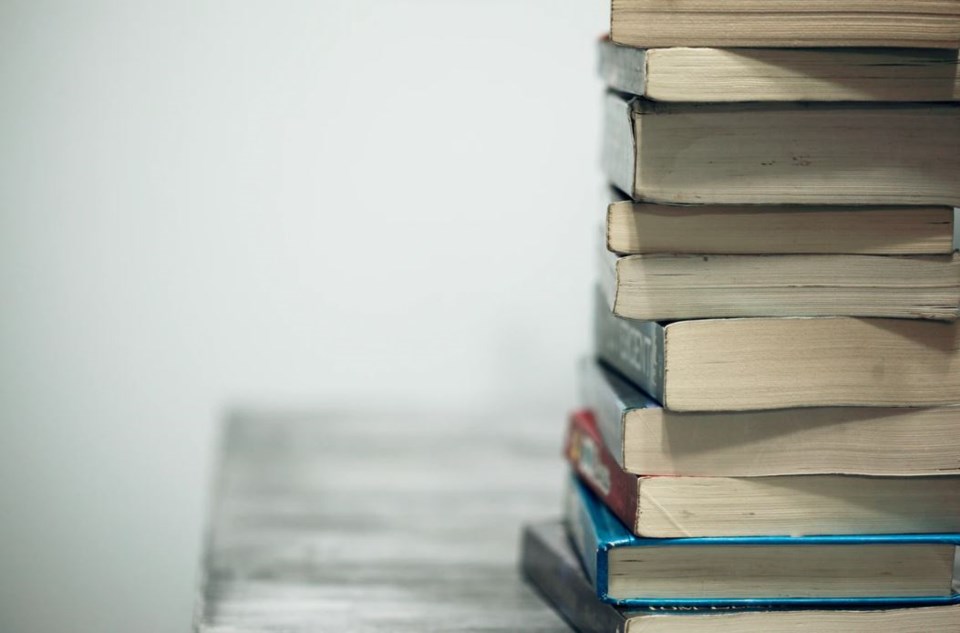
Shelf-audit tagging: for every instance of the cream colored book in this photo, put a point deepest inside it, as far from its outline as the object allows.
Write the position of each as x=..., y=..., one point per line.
x=786, y=23
x=792, y=153
x=774, y=363
x=782, y=74
x=639, y=228
x=678, y=507
x=644, y=438
x=668, y=287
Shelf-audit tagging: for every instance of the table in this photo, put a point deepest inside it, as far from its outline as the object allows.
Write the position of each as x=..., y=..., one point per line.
x=357, y=521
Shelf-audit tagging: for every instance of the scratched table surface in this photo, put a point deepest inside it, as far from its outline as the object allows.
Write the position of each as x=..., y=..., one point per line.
x=356, y=522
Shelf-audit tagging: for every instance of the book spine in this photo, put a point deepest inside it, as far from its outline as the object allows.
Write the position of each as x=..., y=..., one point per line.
x=633, y=348
x=619, y=153
x=556, y=574
x=583, y=534
x=623, y=68
x=956, y=229
x=609, y=276
x=608, y=411
x=598, y=469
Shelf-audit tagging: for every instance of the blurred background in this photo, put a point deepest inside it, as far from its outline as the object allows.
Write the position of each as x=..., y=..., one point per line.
x=205, y=205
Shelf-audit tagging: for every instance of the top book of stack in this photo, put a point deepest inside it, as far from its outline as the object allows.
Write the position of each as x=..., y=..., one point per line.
x=786, y=23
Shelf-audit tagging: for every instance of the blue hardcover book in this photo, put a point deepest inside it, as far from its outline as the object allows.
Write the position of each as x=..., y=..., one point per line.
x=552, y=567
x=767, y=572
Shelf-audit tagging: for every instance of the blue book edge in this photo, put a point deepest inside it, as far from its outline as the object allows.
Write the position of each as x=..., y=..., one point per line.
x=595, y=531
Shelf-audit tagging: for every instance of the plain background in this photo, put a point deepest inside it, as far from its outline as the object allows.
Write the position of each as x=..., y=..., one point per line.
x=210, y=204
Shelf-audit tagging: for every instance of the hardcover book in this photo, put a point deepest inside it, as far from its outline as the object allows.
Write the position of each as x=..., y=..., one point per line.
x=784, y=153
x=551, y=566
x=673, y=507
x=786, y=23
x=892, y=570
x=644, y=438
x=768, y=363
x=716, y=75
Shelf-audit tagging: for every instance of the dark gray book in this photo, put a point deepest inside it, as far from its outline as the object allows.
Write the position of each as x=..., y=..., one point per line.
x=550, y=565
x=783, y=153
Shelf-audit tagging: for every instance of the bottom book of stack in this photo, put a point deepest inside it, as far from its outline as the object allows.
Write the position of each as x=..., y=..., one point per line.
x=550, y=563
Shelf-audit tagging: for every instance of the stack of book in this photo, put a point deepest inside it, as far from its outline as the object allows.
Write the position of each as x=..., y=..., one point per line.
x=770, y=438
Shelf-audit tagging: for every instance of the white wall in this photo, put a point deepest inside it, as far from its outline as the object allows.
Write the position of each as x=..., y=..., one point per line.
x=201, y=203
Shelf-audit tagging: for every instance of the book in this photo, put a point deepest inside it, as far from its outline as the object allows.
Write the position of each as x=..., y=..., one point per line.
x=760, y=571
x=657, y=506
x=779, y=363
x=643, y=438
x=551, y=567
x=783, y=153
x=786, y=23
x=668, y=287
x=717, y=75
x=642, y=228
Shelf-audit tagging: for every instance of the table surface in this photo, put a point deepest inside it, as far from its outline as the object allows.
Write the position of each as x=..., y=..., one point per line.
x=377, y=521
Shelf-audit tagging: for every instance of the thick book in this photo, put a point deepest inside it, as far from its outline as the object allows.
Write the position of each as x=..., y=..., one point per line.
x=656, y=506
x=900, y=569
x=716, y=75
x=646, y=439
x=551, y=566
x=643, y=228
x=672, y=287
x=779, y=363
x=783, y=153
x=786, y=23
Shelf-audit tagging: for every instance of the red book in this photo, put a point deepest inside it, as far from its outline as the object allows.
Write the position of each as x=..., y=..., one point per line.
x=598, y=469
